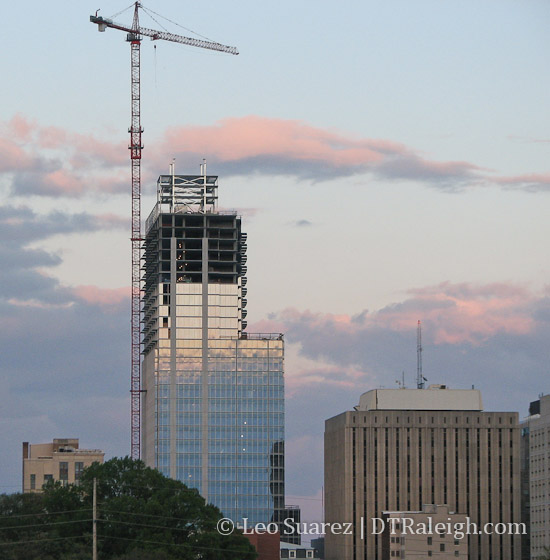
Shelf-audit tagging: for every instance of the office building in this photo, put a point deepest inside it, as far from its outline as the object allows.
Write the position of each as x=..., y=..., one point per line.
x=213, y=402
x=536, y=479
x=266, y=544
x=525, y=490
x=289, y=550
x=404, y=537
x=403, y=448
x=61, y=460
x=319, y=547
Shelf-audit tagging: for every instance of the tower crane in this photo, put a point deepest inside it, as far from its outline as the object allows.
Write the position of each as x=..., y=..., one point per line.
x=135, y=33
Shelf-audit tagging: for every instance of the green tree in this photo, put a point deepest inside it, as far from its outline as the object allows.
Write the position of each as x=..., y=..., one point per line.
x=141, y=515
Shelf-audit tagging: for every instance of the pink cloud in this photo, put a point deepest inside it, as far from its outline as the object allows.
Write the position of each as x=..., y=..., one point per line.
x=19, y=302
x=337, y=376
x=51, y=161
x=20, y=128
x=532, y=182
x=62, y=181
x=247, y=137
x=464, y=313
x=13, y=157
x=51, y=137
x=104, y=297
x=256, y=144
x=109, y=221
x=454, y=314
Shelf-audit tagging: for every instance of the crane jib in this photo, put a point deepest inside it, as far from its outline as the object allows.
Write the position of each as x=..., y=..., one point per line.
x=103, y=23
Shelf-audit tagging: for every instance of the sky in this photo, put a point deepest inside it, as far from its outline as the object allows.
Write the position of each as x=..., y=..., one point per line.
x=390, y=162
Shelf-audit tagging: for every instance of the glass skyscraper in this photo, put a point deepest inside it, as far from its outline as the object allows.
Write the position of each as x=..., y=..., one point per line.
x=213, y=401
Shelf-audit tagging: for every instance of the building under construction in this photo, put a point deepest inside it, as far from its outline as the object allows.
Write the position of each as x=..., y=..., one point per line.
x=213, y=395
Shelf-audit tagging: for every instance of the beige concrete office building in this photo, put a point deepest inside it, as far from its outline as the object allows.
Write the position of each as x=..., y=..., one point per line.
x=424, y=534
x=61, y=460
x=537, y=426
x=403, y=448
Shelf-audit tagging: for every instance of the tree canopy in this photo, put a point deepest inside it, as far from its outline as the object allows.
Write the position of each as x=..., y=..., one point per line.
x=142, y=515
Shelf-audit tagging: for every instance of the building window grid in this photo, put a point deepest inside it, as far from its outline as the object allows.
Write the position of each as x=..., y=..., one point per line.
x=64, y=472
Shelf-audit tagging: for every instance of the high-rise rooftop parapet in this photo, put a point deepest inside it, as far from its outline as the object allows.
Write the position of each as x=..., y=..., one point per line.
x=196, y=194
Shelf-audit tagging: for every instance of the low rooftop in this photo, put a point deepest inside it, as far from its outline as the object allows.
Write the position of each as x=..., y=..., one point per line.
x=435, y=397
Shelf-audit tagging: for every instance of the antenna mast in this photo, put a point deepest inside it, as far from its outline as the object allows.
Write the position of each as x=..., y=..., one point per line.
x=419, y=377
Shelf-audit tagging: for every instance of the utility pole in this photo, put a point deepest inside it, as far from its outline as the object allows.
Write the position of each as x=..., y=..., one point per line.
x=94, y=522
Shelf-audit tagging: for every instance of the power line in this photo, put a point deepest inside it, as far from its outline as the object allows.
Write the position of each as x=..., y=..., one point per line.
x=104, y=511
x=174, y=544
x=43, y=540
x=45, y=513
x=44, y=524
x=133, y=523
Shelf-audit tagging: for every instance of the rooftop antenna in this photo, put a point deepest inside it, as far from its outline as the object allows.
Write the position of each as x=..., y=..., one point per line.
x=419, y=377
x=401, y=383
x=173, y=181
x=204, y=191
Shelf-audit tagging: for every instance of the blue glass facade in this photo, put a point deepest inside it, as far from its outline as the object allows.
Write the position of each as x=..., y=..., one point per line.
x=243, y=439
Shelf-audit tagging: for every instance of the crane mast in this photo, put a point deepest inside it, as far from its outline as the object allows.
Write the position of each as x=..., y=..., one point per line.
x=135, y=158
x=134, y=36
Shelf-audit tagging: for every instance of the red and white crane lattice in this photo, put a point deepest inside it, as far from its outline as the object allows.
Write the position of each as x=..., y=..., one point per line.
x=134, y=37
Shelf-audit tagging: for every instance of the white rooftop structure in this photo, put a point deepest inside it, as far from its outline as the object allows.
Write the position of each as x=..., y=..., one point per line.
x=435, y=397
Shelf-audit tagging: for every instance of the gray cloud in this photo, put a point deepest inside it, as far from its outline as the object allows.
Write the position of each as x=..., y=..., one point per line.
x=48, y=161
x=64, y=369
x=491, y=336
x=19, y=226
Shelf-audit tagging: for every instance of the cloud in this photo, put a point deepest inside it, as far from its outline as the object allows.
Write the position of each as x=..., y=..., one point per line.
x=50, y=161
x=455, y=313
x=22, y=274
x=326, y=375
x=471, y=333
x=528, y=140
x=531, y=182
x=302, y=223
x=107, y=299
x=21, y=224
x=63, y=349
x=286, y=147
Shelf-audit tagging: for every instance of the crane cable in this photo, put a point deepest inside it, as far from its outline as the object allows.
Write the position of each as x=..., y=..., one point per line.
x=175, y=23
x=122, y=11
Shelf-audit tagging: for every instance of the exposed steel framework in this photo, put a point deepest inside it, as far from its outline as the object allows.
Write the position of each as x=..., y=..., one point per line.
x=134, y=37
